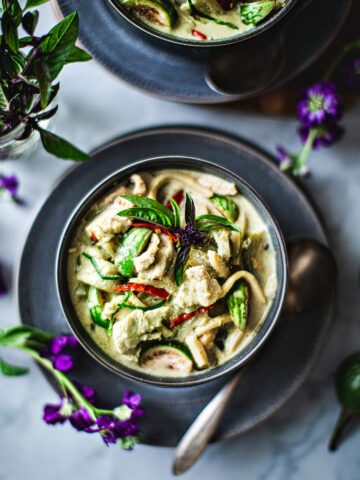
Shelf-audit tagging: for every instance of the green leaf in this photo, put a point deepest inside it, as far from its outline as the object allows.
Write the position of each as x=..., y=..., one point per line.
x=59, y=147
x=226, y=205
x=29, y=22
x=177, y=214
x=60, y=43
x=146, y=214
x=18, y=335
x=34, y=3
x=43, y=77
x=78, y=55
x=209, y=222
x=180, y=263
x=11, y=370
x=4, y=104
x=10, y=32
x=15, y=11
x=144, y=202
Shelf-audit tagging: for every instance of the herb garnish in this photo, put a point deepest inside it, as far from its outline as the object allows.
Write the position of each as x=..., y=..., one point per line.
x=29, y=66
x=194, y=233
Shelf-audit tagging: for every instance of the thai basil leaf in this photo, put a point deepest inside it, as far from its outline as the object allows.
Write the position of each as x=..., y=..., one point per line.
x=43, y=77
x=11, y=370
x=78, y=55
x=54, y=91
x=9, y=30
x=13, y=63
x=214, y=222
x=143, y=202
x=144, y=309
x=254, y=12
x=15, y=11
x=189, y=210
x=180, y=262
x=146, y=214
x=226, y=205
x=4, y=104
x=34, y=3
x=48, y=114
x=197, y=13
x=59, y=147
x=177, y=214
x=29, y=22
x=59, y=43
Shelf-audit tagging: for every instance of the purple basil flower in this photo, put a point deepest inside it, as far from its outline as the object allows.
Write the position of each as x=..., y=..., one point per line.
x=9, y=183
x=58, y=344
x=87, y=392
x=3, y=287
x=54, y=414
x=133, y=401
x=112, y=430
x=319, y=103
x=327, y=135
x=62, y=362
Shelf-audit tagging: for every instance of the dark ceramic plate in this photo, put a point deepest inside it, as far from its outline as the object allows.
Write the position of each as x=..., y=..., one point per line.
x=177, y=72
x=285, y=359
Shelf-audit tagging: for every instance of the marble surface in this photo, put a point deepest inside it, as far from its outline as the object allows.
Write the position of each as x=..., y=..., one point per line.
x=94, y=107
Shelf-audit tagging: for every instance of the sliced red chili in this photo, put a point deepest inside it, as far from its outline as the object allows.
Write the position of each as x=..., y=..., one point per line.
x=94, y=237
x=140, y=287
x=186, y=316
x=197, y=34
x=157, y=229
x=178, y=197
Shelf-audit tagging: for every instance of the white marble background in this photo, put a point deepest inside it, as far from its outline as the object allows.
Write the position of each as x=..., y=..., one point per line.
x=94, y=107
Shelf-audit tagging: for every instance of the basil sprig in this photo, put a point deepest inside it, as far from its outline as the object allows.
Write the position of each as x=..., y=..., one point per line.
x=195, y=232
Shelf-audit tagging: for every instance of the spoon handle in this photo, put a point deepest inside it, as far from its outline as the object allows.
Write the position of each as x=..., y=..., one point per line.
x=203, y=428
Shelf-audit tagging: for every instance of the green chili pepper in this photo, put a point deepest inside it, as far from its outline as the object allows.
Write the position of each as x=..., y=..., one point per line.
x=237, y=302
x=131, y=245
x=347, y=386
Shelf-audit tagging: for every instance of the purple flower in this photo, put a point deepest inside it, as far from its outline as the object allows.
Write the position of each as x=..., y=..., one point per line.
x=112, y=429
x=87, y=392
x=320, y=103
x=327, y=135
x=54, y=414
x=9, y=183
x=3, y=287
x=285, y=160
x=81, y=419
x=133, y=401
x=55, y=352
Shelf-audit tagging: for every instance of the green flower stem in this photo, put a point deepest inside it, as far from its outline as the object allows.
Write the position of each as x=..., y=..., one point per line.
x=345, y=416
x=334, y=66
x=305, y=152
x=63, y=381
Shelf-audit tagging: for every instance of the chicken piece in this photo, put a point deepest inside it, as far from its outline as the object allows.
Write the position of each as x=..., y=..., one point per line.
x=163, y=258
x=221, y=238
x=138, y=326
x=217, y=185
x=139, y=187
x=147, y=258
x=218, y=264
x=107, y=223
x=86, y=272
x=197, y=350
x=198, y=288
x=207, y=340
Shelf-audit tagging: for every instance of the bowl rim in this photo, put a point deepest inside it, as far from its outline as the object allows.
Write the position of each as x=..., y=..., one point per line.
x=103, y=187
x=264, y=26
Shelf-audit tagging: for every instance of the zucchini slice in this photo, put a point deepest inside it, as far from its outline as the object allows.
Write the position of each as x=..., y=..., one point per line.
x=132, y=244
x=95, y=304
x=160, y=12
x=238, y=301
x=166, y=356
x=227, y=206
x=255, y=12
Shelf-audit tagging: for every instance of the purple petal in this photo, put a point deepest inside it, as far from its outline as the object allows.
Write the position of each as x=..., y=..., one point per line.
x=63, y=362
x=87, y=392
x=52, y=414
x=81, y=419
x=9, y=183
x=131, y=400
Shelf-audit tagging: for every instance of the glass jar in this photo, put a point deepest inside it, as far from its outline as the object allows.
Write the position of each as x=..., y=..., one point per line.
x=12, y=149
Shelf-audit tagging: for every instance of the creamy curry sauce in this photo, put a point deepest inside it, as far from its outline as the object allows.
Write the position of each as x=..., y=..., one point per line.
x=231, y=276
x=202, y=19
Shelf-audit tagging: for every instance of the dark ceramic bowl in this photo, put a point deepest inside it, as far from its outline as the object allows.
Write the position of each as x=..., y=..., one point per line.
x=257, y=30
x=102, y=189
